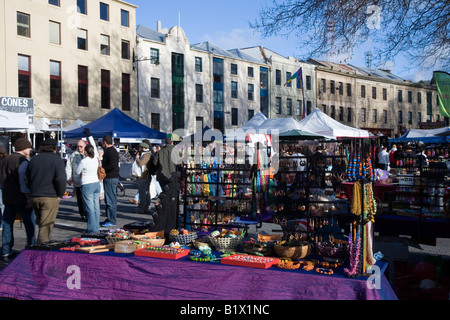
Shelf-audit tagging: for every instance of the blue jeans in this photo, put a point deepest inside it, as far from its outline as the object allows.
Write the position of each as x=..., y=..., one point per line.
x=29, y=220
x=91, y=201
x=109, y=186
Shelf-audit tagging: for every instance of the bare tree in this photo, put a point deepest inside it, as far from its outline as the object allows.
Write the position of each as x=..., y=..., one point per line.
x=417, y=28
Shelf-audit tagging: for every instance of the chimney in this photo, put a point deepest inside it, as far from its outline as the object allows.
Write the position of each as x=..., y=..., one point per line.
x=158, y=26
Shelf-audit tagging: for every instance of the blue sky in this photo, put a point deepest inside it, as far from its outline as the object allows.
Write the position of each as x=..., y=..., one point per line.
x=226, y=24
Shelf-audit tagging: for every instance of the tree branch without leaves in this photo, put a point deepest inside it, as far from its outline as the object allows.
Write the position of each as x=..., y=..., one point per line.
x=417, y=28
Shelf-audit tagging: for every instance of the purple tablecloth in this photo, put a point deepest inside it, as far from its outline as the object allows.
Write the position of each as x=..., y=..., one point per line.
x=47, y=275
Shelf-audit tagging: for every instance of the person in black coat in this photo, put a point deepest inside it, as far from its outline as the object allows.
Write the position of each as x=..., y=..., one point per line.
x=46, y=179
x=15, y=200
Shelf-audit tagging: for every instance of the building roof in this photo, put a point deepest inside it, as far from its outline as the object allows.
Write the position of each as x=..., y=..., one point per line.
x=378, y=73
x=150, y=34
x=244, y=56
x=210, y=47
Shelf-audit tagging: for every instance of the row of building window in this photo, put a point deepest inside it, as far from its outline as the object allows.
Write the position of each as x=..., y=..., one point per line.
x=155, y=90
x=104, y=11
x=340, y=89
x=24, y=84
x=298, y=109
x=23, y=29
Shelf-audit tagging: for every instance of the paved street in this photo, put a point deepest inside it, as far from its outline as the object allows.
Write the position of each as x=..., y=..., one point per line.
x=68, y=223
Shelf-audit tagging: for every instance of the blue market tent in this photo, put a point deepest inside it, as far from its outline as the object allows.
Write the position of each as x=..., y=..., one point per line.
x=424, y=135
x=118, y=125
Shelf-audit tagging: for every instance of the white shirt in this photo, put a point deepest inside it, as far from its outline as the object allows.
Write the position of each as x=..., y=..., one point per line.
x=383, y=157
x=88, y=170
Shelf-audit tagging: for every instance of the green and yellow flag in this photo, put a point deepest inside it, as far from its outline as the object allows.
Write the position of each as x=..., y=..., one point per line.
x=442, y=80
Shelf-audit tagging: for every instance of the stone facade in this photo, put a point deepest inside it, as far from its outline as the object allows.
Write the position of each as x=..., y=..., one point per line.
x=53, y=40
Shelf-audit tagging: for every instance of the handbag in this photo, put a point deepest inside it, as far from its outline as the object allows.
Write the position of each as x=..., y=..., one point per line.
x=101, y=173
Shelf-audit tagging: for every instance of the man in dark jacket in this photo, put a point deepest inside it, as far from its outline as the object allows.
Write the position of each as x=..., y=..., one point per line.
x=169, y=179
x=163, y=161
x=111, y=165
x=14, y=199
x=46, y=179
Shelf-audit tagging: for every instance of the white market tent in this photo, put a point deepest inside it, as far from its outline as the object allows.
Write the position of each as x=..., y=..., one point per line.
x=280, y=124
x=74, y=125
x=320, y=123
x=240, y=133
x=255, y=121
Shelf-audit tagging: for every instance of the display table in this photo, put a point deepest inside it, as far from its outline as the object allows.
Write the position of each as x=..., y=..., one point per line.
x=392, y=225
x=45, y=275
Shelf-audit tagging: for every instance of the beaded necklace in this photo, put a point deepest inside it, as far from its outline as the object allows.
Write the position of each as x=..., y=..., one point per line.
x=354, y=255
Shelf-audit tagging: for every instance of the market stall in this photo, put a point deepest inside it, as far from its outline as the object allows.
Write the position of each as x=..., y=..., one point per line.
x=118, y=125
x=320, y=123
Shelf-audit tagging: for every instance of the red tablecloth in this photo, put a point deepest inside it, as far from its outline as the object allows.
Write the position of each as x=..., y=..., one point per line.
x=379, y=190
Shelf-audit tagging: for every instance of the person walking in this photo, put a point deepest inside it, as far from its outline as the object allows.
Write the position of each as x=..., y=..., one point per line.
x=72, y=179
x=143, y=159
x=14, y=199
x=90, y=187
x=168, y=178
x=46, y=179
x=111, y=165
x=164, y=164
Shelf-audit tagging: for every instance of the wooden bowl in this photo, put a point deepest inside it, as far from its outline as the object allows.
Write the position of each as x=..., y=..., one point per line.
x=293, y=252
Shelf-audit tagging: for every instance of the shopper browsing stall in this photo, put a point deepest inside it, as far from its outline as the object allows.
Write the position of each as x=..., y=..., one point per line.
x=111, y=166
x=90, y=187
x=383, y=158
x=72, y=162
x=14, y=199
x=46, y=178
x=143, y=160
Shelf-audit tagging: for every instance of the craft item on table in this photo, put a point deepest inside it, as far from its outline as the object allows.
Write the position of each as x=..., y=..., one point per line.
x=87, y=241
x=354, y=252
x=195, y=253
x=250, y=261
x=329, y=265
x=205, y=250
x=118, y=235
x=129, y=246
x=215, y=234
x=290, y=265
x=199, y=259
x=95, y=249
x=162, y=252
x=324, y=271
x=175, y=245
x=292, y=248
x=183, y=236
x=333, y=252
